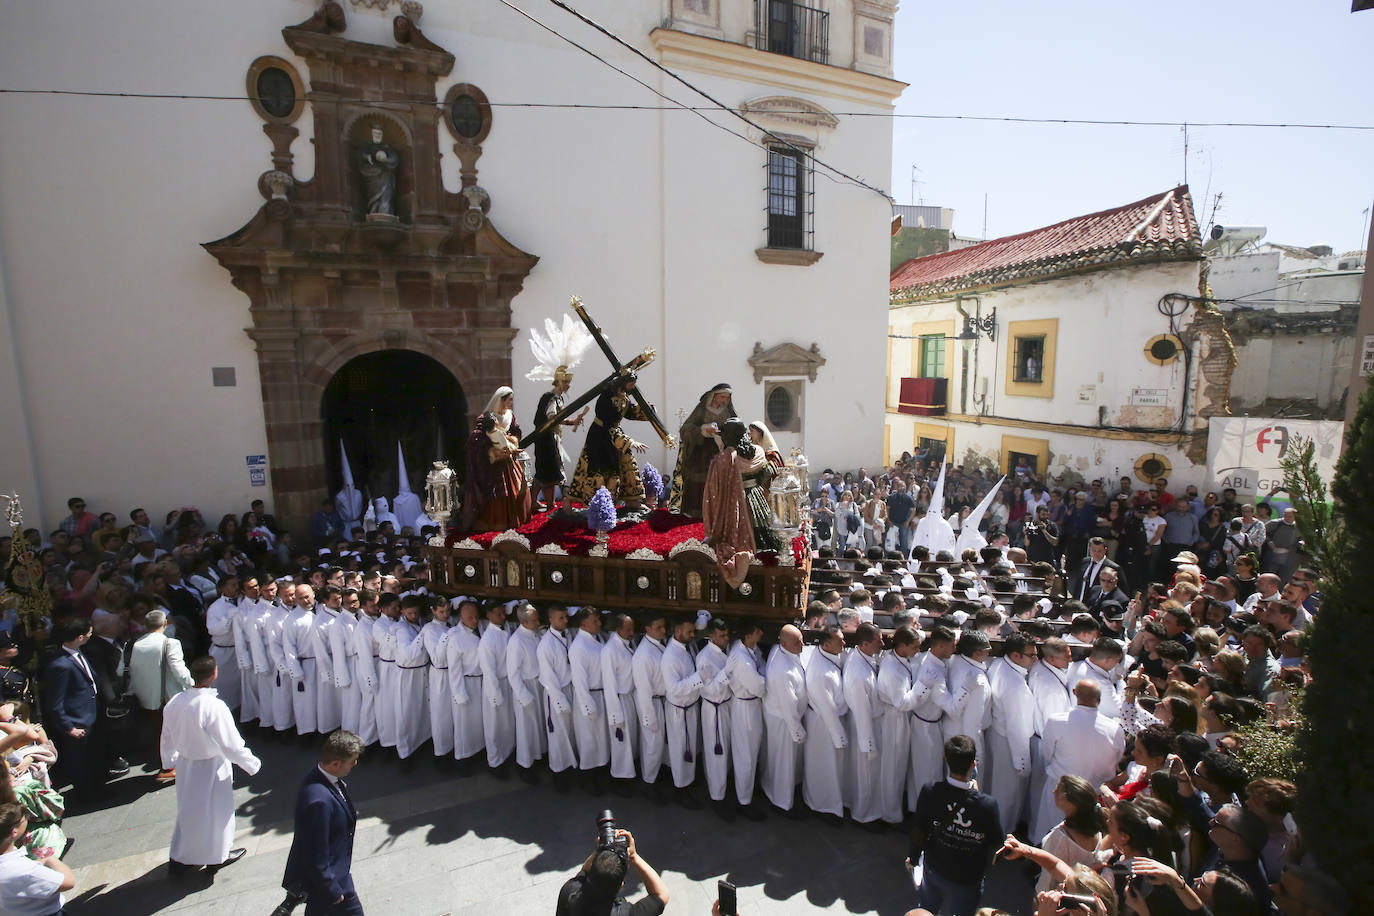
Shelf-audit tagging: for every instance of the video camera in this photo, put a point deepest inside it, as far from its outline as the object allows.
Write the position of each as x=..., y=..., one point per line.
x=606, y=827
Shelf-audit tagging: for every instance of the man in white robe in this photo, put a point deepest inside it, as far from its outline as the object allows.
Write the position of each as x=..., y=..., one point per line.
x=220, y=623
x=784, y=704
x=1102, y=667
x=928, y=716
x=682, y=695
x=280, y=597
x=747, y=687
x=715, y=708
x=345, y=652
x=200, y=741
x=970, y=694
x=256, y=671
x=1053, y=693
x=895, y=694
x=437, y=635
x=589, y=703
x=522, y=673
x=410, y=699
x=618, y=687
x=384, y=632
x=823, y=772
x=498, y=719
x=465, y=681
x=1010, y=728
x=649, y=699
x=365, y=677
x=328, y=699
x=1081, y=741
x=555, y=676
x=298, y=649
x=865, y=724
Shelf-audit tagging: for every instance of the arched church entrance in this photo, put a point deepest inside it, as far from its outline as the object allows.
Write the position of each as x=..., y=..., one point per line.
x=378, y=399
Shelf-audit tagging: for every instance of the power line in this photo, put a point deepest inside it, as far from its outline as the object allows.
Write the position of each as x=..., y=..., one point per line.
x=680, y=106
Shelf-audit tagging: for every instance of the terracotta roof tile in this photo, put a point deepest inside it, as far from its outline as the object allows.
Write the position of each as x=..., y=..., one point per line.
x=1158, y=228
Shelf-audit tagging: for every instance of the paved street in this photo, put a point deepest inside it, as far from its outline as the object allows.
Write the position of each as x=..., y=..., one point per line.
x=433, y=842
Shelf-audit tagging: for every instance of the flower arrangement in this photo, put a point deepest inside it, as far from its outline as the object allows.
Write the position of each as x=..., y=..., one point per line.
x=601, y=511
x=653, y=484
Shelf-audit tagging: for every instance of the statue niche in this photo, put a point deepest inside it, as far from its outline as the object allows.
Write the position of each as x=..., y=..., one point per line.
x=378, y=164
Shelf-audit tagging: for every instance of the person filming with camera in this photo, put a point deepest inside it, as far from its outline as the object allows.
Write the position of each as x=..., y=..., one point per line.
x=595, y=890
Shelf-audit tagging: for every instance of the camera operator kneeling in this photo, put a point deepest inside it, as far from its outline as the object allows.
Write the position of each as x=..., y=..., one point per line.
x=595, y=890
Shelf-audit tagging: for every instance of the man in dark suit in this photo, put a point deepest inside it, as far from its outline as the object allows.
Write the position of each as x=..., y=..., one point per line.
x=322, y=849
x=71, y=704
x=1083, y=577
x=106, y=653
x=1106, y=590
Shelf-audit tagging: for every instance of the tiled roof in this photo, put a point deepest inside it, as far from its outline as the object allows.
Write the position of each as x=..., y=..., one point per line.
x=1158, y=228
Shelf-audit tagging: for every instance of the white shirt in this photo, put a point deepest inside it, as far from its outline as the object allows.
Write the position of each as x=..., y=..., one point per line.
x=28, y=888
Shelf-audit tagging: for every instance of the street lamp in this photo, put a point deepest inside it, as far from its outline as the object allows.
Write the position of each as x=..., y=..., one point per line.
x=973, y=324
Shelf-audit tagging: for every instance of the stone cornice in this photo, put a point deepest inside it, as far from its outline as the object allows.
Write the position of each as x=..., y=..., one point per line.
x=736, y=61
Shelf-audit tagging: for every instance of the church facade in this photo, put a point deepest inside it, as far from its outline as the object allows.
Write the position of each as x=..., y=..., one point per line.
x=345, y=228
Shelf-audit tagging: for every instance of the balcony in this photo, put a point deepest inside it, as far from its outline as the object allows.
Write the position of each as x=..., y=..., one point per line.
x=923, y=397
x=785, y=27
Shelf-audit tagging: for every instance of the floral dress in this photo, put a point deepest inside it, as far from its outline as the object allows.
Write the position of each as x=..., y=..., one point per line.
x=44, y=808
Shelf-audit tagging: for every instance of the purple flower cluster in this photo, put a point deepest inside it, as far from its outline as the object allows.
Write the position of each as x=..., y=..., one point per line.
x=653, y=482
x=601, y=511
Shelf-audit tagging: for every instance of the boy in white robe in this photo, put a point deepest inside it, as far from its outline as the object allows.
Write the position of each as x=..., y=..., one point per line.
x=928, y=716
x=715, y=708
x=365, y=677
x=345, y=654
x=384, y=632
x=200, y=741
x=522, y=674
x=258, y=676
x=498, y=719
x=895, y=694
x=865, y=724
x=328, y=702
x=465, y=681
x=747, y=687
x=225, y=642
x=437, y=634
x=618, y=687
x=279, y=598
x=298, y=650
x=410, y=697
x=649, y=701
x=970, y=694
x=555, y=676
x=589, y=702
x=1009, y=729
x=823, y=768
x=784, y=705
x=682, y=693
x=1053, y=693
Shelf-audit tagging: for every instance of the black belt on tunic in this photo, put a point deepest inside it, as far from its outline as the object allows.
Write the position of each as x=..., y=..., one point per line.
x=928, y=721
x=595, y=689
x=411, y=667
x=219, y=646
x=305, y=658
x=472, y=675
x=439, y=667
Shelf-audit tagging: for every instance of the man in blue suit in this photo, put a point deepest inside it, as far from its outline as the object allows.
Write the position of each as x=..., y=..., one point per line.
x=69, y=700
x=322, y=849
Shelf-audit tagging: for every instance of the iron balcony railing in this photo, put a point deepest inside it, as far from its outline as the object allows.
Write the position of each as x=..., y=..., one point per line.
x=785, y=27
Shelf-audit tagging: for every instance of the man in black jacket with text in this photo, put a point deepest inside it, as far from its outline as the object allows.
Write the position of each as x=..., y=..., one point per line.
x=957, y=829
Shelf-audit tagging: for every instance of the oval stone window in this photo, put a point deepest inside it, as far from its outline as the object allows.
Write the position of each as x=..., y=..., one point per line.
x=467, y=116
x=779, y=408
x=276, y=92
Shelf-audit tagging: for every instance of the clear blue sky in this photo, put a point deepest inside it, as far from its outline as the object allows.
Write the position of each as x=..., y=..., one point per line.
x=1202, y=60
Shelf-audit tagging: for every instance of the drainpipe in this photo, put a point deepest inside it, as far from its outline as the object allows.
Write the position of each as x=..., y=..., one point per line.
x=973, y=381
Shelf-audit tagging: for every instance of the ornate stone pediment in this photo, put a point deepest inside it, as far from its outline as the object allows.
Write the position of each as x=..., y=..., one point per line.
x=790, y=110
x=785, y=359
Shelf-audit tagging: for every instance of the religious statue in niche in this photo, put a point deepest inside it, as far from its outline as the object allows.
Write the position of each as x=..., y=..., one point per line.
x=377, y=164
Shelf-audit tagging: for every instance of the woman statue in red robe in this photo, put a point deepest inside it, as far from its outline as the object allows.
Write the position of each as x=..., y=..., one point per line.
x=496, y=495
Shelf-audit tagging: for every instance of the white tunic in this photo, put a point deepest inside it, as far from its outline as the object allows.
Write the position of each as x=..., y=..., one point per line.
x=298, y=650
x=465, y=686
x=365, y=676
x=1009, y=736
x=258, y=677
x=384, y=632
x=328, y=699
x=970, y=702
x=200, y=741
x=555, y=676
x=823, y=774
x=784, y=704
x=682, y=696
x=895, y=694
x=224, y=644
x=715, y=719
x=622, y=718
x=498, y=719
x=927, y=725
x=345, y=654
x=650, y=704
x=1108, y=681
x=437, y=635
x=411, y=690
x=747, y=687
x=1082, y=742
x=522, y=674
x=865, y=736
x=589, y=704
x=278, y=679
x=1052, y=691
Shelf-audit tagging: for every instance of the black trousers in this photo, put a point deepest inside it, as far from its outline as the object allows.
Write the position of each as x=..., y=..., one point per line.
x=349, y=906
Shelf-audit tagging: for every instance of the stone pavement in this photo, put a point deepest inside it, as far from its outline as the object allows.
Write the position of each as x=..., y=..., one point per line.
x=431, y=842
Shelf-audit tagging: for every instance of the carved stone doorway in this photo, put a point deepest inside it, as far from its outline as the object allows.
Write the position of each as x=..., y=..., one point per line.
x=389, y=396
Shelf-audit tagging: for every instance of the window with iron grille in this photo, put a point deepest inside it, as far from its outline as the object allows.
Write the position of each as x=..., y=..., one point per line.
x=789, y=198
x=791, y=28
x=1030, y=359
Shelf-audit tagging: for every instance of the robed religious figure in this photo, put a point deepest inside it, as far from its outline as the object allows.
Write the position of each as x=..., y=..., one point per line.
x=607, y=458
x=496, y=495
x=557, y=352
x=699, y=442
x=738, y=520
x=377, y=164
